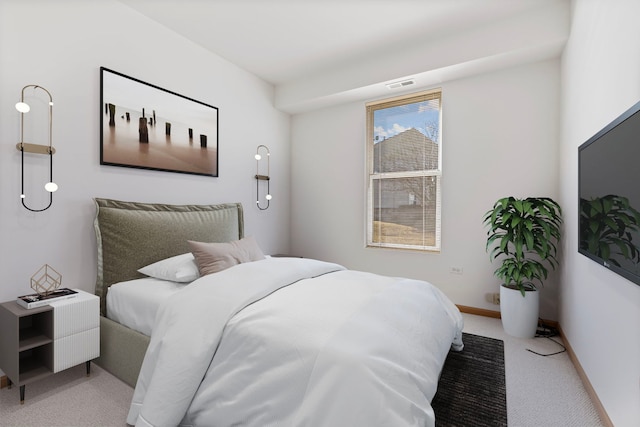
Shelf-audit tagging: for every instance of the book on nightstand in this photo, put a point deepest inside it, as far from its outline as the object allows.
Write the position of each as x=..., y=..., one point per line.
x=37, y=300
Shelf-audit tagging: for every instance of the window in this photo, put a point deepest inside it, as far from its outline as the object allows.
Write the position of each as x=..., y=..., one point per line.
x=404, y=163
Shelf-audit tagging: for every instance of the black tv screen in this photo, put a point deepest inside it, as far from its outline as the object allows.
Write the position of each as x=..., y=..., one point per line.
x=609, y=193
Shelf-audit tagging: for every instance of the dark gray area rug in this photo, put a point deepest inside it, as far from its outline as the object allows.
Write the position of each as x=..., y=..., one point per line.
x=472, y=390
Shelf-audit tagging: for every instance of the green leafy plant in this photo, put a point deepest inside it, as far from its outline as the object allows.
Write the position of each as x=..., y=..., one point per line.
x=607, y=225
x=524, y=234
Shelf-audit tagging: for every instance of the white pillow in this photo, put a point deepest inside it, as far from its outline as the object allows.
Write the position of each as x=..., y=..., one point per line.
x=180, y=268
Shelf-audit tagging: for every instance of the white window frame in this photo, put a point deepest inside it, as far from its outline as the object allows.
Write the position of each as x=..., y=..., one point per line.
x=372, y=177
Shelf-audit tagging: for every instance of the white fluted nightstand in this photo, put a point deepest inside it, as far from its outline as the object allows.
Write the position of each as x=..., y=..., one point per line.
x=38, y=342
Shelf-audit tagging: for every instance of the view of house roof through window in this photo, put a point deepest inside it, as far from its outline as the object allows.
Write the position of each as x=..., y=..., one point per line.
x=404, y=164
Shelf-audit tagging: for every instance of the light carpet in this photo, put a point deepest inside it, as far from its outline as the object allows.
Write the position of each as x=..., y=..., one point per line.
x=68, y=398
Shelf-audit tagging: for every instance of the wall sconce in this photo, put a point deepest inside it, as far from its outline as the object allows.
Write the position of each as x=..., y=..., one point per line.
x=260, y=177
x=23, y=147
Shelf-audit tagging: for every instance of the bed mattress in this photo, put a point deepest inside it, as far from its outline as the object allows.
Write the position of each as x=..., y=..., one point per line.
x=134, y=303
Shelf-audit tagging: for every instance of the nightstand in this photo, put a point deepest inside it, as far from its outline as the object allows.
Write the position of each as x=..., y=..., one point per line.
x=38, y=342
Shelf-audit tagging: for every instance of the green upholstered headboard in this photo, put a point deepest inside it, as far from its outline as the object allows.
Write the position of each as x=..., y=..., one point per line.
x=131, y=235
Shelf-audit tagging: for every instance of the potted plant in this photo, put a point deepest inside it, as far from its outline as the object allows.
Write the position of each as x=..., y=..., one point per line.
x=523, y=234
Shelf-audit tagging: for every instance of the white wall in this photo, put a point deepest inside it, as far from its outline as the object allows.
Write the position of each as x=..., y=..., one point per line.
x=500, y=137
x=600, y=311
x=61, y=45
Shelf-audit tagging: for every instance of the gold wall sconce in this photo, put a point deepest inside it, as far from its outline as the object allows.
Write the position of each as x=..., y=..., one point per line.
x=23, y=147
x=262, y=177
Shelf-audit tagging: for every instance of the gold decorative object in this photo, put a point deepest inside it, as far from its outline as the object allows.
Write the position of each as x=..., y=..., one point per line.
x=46, y=280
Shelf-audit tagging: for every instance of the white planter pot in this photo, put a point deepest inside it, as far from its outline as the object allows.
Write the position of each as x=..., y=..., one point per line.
x=519, y=314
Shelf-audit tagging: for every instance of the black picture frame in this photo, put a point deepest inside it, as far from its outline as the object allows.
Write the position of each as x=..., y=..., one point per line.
x=147, y=127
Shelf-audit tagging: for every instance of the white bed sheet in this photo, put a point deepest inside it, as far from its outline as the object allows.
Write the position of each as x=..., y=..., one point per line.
x=134, y=303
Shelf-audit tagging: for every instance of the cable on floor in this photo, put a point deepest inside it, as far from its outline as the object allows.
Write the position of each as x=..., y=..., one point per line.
x=548, y=332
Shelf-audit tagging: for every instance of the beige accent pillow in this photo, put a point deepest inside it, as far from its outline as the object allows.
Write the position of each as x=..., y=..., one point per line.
x=214, y=257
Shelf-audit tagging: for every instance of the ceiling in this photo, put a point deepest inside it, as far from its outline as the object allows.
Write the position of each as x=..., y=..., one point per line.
x=327, y=43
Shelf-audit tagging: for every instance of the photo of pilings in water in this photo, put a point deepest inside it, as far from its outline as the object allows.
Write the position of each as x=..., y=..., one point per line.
x=147, y=127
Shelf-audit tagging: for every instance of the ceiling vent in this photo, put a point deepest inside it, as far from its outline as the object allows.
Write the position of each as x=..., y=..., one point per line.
x=404, y=83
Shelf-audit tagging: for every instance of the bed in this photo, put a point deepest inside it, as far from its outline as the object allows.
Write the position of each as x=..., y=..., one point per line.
x=132, y=235
x=263, y=341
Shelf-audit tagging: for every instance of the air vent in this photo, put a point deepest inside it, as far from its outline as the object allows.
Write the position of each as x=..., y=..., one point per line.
x=396, y=85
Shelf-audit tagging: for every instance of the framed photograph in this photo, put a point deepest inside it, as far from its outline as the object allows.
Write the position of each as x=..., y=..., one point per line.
x=148, y=127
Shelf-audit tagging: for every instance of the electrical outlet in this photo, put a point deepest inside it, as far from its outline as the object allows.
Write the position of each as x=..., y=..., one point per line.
x=496, y=298
x=456, y=270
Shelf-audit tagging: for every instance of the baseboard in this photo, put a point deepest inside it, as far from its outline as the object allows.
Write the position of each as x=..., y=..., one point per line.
x=479, y=311
x=604, y=417
x=496, y=314
x=4, y=381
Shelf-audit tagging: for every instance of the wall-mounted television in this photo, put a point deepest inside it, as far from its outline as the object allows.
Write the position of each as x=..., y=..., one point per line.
x=609, y=196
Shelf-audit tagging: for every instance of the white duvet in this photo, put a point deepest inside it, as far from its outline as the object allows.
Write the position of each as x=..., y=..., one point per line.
x=296, y=342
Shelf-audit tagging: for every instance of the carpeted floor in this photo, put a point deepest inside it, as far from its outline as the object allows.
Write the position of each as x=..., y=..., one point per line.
x=472, y=390
x=543, y=391
x=68, y=399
